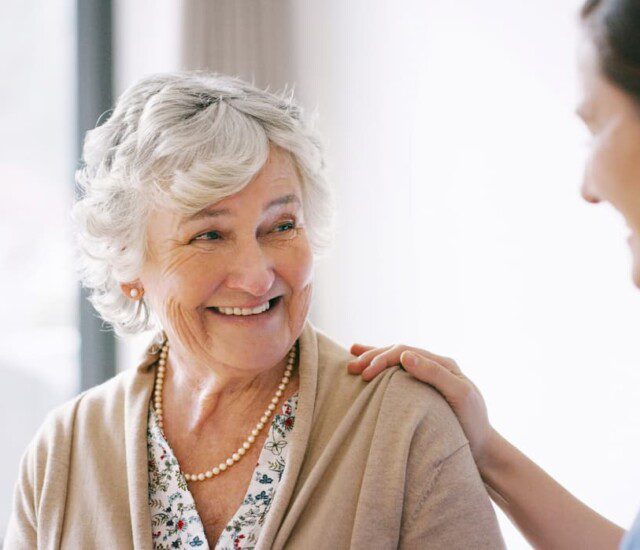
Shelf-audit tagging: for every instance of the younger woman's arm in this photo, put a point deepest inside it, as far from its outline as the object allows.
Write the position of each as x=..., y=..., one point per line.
x=547, y=514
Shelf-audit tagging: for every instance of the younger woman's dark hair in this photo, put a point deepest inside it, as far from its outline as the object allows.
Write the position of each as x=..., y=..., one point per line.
x=614, y=26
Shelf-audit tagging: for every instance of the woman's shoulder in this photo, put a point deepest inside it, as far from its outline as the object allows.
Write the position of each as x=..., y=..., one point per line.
x=435, y=427
x=113, y=396
x=402, y=402
x=101, y=405
x=394, y=382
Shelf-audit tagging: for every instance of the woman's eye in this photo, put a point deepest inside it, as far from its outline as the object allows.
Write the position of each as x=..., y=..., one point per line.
x=208, y=236
x=285, y=226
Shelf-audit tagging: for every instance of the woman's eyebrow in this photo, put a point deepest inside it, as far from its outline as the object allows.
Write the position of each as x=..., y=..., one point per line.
x=286, y=199
x=205, y=213
x=211, y=212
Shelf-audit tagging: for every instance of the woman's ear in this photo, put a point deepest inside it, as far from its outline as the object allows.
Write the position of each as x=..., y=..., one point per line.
x=133, y=291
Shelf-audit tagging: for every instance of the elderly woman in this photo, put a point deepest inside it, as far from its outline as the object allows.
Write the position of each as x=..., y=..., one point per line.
x=204, y=205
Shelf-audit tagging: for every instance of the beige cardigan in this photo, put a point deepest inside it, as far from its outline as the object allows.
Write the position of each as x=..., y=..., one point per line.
x=382, y=464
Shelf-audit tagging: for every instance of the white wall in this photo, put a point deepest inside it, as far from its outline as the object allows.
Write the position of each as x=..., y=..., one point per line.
x=457, y=161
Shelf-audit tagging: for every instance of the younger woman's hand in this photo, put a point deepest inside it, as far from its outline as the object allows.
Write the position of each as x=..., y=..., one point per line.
x=443, y=374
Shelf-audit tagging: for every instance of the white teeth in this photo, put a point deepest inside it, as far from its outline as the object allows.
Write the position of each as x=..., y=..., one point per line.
x=244, y=310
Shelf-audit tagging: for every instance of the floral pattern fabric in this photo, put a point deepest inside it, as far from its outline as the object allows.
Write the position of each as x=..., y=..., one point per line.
x=175, y=522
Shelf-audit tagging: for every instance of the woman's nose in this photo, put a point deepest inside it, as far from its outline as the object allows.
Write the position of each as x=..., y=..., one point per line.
x=586, y=192
x=251, y=271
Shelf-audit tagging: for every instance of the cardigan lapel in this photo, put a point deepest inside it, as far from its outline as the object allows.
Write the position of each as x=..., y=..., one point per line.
x=271, y=536
x=136, y=408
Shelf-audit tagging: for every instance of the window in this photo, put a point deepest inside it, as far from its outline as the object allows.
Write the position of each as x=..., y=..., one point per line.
x=38, y=335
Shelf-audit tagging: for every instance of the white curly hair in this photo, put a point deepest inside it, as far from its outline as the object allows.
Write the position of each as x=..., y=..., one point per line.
x=186, y=140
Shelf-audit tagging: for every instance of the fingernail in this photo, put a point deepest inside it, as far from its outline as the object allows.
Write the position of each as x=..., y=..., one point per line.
x=410, y=359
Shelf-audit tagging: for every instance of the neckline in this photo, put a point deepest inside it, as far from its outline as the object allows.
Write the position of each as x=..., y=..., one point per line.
x=154, y=431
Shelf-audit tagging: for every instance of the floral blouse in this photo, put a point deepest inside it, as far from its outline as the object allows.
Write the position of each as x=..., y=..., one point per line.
x=175, y=522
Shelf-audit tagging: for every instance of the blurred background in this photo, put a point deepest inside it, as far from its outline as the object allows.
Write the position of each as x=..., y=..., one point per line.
x=456, y=160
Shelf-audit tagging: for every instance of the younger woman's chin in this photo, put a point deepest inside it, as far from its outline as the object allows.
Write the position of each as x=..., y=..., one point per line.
x=634, y=245
x=636, y=276
x=635, y=271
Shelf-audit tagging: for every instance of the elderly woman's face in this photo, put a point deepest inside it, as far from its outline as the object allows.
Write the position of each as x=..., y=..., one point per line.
x=233, y=282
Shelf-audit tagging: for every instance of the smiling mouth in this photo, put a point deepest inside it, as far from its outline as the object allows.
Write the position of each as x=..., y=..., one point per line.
x=246, y=311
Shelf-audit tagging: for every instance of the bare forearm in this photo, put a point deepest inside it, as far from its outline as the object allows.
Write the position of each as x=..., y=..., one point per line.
x=545, y=512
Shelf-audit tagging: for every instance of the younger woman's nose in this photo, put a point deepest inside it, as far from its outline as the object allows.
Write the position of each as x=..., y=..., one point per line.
x=587, y=193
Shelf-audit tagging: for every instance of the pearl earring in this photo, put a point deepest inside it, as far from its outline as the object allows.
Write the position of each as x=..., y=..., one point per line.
x=134, y=293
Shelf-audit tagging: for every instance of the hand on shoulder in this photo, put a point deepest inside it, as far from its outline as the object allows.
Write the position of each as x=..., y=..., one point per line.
x=443, y=374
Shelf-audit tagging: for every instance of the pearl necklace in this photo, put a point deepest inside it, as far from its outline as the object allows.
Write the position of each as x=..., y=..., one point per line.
x=235, y=457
